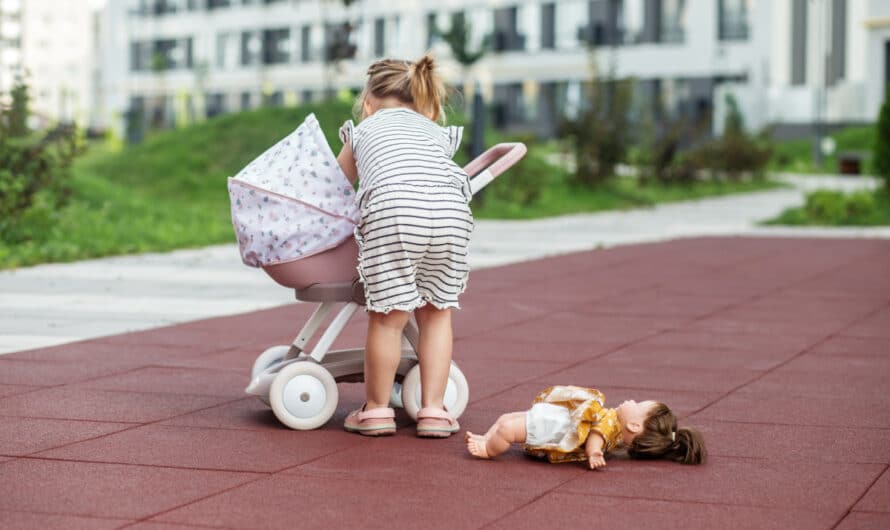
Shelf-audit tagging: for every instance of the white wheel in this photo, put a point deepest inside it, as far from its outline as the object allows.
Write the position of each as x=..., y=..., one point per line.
x=266, y=359
x=457, y=392
x=304, y=395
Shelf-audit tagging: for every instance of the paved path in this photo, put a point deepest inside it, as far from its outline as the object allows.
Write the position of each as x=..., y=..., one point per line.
x=777, y=350
x=60, y=303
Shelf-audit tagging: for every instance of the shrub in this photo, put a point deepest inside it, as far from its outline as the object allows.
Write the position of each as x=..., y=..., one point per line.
x=837, y=208
x=524, y=182
x=34, y=175
x=882, y=143
x=600, y=132
x=826, y=206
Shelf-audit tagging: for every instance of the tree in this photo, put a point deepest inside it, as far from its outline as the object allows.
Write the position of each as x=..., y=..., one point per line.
x=882, y=143
x=458, y=39
x=600, y=130
x=16, y=117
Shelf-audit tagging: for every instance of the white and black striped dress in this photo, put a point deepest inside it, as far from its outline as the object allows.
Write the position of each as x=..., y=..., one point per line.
x=415, y=218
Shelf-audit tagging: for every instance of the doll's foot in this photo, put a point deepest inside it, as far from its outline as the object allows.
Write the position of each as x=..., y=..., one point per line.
x=477, y=445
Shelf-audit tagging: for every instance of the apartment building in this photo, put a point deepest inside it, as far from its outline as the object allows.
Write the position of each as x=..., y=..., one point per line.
x=787, y=62
x=50, y=44
x=10, y=46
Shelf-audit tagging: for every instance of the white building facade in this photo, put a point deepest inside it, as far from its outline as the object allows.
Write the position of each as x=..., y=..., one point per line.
x=51, y=46
x=10, y=46
x=789, y=62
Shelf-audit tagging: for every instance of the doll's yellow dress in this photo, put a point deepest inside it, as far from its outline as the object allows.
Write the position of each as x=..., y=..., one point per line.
x=587, y=414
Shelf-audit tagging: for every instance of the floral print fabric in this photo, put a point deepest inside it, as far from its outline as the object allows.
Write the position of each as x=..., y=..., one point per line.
x=292, y=201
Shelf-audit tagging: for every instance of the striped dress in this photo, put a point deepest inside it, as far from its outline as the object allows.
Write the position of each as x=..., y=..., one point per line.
x=415, y=218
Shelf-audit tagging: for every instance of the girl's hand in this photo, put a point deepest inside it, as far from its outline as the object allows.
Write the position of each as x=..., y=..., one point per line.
x=596, y=460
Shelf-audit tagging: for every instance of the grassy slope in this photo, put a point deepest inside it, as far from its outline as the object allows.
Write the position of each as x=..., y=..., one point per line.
x=170, y=191
x=166, y=193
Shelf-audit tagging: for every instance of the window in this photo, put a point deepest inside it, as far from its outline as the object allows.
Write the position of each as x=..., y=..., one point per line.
x=216, y=104
x=245, y=100
x=276, y=46
x=672, y=21
x=798, y=42
x=548, y=26
x=140, y=56
x=306, y=44
x=217, y=4
x=506, y=36
x=379, y=37
x=733, y=19
x=226, y=50
x=838, y=54
x=431, y=30
x=630, y=15
x=251, y=48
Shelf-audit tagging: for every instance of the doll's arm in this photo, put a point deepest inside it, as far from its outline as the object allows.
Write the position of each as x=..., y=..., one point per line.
x=347, y=163
x=594, y=450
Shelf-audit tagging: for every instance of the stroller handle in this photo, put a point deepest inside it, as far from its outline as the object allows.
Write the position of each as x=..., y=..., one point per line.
x=495, y=161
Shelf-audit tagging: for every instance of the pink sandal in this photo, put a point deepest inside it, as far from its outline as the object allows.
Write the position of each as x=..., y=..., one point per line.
x=374, y=422
x=435, y=423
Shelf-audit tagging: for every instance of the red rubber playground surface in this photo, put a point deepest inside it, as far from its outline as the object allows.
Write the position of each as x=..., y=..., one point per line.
x=778, y=350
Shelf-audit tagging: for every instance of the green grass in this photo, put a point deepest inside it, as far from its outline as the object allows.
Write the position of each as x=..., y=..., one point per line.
x=834, y=208
x=166, y=193
x=170, y=191
x=618, y=194
x=796, y=156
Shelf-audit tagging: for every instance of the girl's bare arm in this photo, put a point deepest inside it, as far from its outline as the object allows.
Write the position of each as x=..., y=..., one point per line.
x=347, y=163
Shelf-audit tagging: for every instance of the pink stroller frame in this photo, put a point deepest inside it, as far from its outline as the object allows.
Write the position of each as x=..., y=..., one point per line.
x=301, y=386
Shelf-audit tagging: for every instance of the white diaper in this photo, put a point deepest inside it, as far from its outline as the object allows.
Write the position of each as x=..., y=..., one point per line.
x=546, y=424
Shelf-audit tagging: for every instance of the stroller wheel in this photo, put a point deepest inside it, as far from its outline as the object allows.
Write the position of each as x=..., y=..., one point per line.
x=457, y=392
x=266, y=359
x=304, y=395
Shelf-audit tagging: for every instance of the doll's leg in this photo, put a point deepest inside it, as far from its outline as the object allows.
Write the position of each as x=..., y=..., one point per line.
x=509, y=429
x=435, y=347
x=383, y=349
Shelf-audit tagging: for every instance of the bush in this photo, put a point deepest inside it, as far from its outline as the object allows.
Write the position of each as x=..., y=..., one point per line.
x=600, y=132
x=837, y=208
x=882, y=143
x=523, y=183
x=34, y=175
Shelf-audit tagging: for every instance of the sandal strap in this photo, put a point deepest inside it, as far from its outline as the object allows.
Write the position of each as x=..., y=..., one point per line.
x=377, y=414
x=434, y=413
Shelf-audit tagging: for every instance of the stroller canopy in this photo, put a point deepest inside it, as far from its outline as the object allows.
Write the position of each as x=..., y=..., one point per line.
x=292, y=201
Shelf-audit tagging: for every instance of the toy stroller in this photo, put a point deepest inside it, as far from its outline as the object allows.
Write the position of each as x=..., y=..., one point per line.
x=294, y=212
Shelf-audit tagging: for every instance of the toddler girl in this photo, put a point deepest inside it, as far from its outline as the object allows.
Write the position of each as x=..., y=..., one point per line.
x=570, y=424
x=412, y=237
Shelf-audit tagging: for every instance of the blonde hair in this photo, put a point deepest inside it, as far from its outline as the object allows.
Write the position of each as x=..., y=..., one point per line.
x=416, y=83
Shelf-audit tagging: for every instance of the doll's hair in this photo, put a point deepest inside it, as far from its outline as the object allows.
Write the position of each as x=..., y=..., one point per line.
x=660, y=438
x=416, y=83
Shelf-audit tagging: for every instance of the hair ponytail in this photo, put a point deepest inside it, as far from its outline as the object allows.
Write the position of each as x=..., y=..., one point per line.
x=427, y=90
x=660, y=438
x=416, y=83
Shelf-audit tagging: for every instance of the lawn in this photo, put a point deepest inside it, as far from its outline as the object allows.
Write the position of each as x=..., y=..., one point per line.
x=170, y=191
x=796, y=156
x=835, y=208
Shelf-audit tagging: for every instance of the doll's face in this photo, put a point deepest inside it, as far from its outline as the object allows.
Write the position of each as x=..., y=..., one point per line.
x=631, y=415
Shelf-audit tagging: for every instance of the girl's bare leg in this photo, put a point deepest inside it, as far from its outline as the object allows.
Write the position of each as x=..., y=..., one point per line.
x=435, y=347
x=383, y=349
x=509, y=429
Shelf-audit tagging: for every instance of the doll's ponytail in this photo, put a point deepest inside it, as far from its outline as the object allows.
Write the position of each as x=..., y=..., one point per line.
x=660, y=438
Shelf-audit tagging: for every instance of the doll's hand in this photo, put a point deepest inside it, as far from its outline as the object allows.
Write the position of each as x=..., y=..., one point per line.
x=596, y=460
